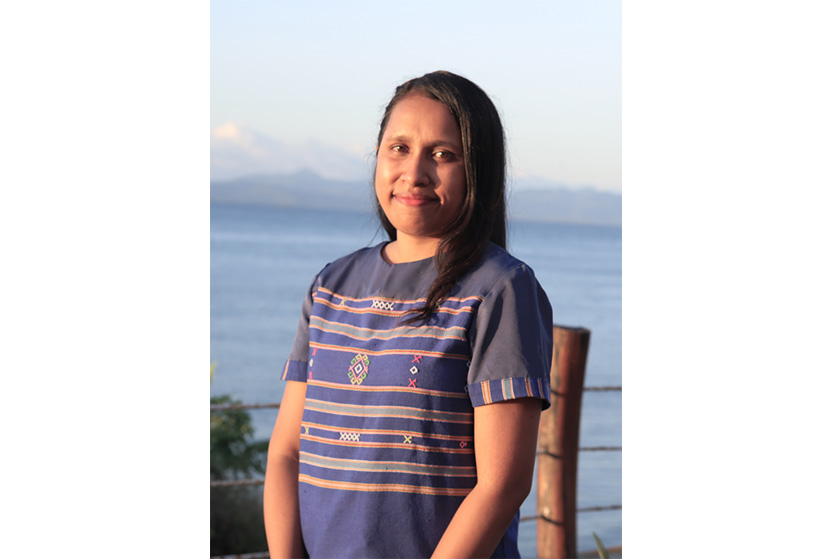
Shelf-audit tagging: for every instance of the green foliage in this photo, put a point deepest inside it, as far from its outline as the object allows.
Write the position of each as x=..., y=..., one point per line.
x=236, y=517
x=232, y=453
x=602, y=552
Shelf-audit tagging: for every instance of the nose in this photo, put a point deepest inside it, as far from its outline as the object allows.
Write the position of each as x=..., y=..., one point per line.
x=416, y=171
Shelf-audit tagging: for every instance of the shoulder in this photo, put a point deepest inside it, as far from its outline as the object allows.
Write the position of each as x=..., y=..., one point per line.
x=496, y=267
x=358, y=263
x=363, y=256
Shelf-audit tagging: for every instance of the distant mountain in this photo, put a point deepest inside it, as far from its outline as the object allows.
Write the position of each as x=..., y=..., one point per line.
x=237, y=151
x=562, y=204
x=305, y=189
x=302, y=189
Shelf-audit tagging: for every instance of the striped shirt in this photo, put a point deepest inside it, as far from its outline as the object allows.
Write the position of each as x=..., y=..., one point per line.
x=386, y=450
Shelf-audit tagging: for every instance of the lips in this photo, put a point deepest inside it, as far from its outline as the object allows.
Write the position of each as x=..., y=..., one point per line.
x=415, y=199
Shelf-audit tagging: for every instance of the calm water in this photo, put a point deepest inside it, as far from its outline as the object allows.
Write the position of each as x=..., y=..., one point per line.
x=262, y=261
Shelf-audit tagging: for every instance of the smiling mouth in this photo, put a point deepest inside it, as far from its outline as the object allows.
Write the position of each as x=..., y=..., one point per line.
x=415, y=199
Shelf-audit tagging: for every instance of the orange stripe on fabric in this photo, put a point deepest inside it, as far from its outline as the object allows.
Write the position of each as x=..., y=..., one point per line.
x=485, y=392
x=382, y=445
x=409, y=301
x=393, y=466
x=358, y=410
x=358, y=310
x=392, y=337
x=339, y=429
x=363, y=310
x=367, y=487
x=387, y=389
x=407, y=351
x=385, y=331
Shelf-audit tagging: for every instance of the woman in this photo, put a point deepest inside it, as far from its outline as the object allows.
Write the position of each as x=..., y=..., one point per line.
x=408, y=425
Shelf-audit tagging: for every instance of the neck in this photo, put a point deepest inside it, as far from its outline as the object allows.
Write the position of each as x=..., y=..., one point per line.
x=410, y=249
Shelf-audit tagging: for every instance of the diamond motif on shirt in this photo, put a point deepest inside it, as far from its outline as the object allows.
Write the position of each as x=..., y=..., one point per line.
x=463, y=444
x=414, y=369
x=358, y=369
x=349, y=436
x=380, y=304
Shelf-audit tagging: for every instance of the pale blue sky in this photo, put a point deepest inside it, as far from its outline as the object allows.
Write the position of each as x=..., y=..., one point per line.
x=323, y=71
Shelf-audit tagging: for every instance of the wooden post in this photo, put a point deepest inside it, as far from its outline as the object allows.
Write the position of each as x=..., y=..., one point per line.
x=558, y=442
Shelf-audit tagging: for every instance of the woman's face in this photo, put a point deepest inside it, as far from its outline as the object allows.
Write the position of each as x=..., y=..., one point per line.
x=420, y=175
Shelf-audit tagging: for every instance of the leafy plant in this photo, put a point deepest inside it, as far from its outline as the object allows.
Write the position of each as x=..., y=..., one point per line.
x=602, y=552
x=233, y=454
x=236, y=518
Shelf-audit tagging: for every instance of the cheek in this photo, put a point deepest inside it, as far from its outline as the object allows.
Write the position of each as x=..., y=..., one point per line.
x=380, y=186
x=381, y=171
x=459, y=188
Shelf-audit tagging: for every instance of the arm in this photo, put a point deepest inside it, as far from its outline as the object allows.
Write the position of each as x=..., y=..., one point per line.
x=505, y=448
x=280, y=493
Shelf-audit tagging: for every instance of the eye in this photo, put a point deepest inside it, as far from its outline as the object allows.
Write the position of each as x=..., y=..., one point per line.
x=443, y=154
x=399, y=148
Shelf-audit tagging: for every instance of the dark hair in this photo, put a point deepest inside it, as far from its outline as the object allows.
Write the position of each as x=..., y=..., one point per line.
x=483, y=217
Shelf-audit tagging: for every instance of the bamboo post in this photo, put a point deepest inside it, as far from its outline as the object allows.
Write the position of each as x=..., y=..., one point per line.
x=558, y=442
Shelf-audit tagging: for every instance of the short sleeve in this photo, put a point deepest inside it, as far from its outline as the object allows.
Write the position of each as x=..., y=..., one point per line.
x=296, y=365
x=511, y=341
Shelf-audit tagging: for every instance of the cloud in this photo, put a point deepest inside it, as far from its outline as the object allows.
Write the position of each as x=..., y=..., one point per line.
x=237, y=151
x=228, y=132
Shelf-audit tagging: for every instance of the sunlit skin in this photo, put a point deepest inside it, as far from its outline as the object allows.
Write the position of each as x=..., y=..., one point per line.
x=420, y=176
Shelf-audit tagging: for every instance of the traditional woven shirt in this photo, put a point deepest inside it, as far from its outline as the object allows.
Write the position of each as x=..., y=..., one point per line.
x=386, y=444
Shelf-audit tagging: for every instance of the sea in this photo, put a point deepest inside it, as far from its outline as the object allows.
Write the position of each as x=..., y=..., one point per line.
x=263, y=259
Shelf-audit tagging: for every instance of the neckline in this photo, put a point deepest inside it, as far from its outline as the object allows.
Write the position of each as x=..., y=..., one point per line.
x=380, y=249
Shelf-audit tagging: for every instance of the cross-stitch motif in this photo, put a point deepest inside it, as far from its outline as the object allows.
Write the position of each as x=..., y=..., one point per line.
x=380, y=304
x=416, y=359
x=349, y=436
x=412, y=383
x=358, y=369
x=407, y=439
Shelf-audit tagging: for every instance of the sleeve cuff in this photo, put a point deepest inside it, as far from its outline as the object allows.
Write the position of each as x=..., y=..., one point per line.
x=294, y=371
x=497, y=390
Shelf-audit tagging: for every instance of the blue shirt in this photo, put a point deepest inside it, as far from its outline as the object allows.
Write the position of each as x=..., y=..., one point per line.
x=386, y=449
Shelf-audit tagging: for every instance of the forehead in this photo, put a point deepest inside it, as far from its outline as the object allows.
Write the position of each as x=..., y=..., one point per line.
x=424, y=117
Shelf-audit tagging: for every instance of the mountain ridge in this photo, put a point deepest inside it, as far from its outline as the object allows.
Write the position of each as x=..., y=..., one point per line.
x=306, y=189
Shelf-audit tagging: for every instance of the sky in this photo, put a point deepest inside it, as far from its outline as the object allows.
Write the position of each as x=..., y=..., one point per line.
x=729, y=222
x=307, y=81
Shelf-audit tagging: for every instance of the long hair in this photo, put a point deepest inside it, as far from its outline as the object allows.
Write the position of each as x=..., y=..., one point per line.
x=483, y=216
